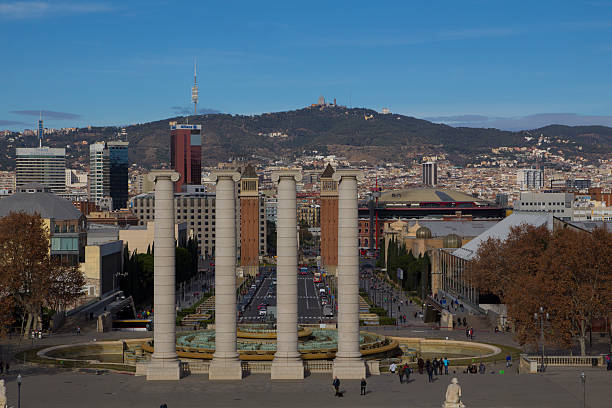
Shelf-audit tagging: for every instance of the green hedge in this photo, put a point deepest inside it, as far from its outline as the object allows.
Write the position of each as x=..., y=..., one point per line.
x=379, y=311
x=387, y=321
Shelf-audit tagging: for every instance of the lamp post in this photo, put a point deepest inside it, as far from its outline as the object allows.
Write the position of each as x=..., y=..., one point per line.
x=541, y=316
x=583, y=381
x=19, y=391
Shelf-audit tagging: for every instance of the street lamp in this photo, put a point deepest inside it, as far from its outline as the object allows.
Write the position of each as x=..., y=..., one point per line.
x=542, y=317
x=583, y=380
x=19, y=391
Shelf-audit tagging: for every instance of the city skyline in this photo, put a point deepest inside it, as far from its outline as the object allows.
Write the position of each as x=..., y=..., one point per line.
x=107, y=63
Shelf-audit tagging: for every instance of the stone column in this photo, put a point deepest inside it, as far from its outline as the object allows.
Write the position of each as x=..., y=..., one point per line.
x=164, y=364
x=348, y=363
x=225, y=364
x=287, y=363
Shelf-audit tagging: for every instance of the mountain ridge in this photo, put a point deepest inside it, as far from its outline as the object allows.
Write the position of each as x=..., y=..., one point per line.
x=357, y=133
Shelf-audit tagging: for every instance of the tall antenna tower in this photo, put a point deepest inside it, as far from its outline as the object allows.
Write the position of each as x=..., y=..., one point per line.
x=40, y=130
x=194, y=89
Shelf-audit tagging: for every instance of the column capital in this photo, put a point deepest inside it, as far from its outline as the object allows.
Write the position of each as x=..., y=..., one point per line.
x=156, y=175
x=217, y=174
x=278, y=174
x=340, y=173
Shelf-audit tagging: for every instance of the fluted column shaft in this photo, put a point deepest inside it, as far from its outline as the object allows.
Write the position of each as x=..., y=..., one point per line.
x=286, y=270
x=348, y=362
x=225, y=269
x=225, y=364
x=287, y=363
x=348, y=269
x=164, y=286
x=164, y=364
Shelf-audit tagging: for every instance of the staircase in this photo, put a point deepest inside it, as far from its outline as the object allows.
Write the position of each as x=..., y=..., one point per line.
x=203, y=313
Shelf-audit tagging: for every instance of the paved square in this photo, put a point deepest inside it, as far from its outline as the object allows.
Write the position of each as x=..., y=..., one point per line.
x=559, y=388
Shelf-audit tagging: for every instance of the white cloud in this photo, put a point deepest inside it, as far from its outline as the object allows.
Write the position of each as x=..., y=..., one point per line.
x=39, y=9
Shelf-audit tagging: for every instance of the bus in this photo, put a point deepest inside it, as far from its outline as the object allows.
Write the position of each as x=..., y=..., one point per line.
x=303, y=270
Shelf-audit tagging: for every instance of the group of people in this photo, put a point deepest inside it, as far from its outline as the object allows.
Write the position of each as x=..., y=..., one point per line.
x=338, y=393
x=437, y=366
x=473, y=369
x=403, y=372
x=469, y=333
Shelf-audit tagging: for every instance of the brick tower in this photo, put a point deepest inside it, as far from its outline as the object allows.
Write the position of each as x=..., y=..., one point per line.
x=249, y=221
x=329, y=221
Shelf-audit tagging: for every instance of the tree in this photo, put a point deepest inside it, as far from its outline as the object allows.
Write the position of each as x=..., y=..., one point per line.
x=568, y=273
x=30, y=279
x=577, y=266
x=270, y=238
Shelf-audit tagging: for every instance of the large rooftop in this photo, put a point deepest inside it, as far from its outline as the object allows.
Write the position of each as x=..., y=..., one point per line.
x=46, y=204
x=425, y=195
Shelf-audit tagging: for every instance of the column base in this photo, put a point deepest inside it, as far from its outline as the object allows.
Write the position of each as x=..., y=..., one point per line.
x=163, y=370
x=225, y=369
x=349, y=368
x=287, y=369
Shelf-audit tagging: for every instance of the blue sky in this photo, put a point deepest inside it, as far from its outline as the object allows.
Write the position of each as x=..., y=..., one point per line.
x=461, y=62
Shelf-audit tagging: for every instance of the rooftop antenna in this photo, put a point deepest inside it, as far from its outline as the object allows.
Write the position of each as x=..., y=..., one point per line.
x=40, y=130
x=194, y=89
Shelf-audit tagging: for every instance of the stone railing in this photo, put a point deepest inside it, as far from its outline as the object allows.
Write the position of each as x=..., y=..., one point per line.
x=527, y=365
x=257, y=367
x=569, y=361
x=321, y=366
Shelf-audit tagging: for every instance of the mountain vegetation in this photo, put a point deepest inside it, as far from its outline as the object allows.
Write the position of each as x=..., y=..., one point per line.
x=357, y=134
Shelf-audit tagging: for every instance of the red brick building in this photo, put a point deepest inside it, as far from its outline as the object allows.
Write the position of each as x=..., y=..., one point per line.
x=186, y=154
x=329, y=220
x=249, y=221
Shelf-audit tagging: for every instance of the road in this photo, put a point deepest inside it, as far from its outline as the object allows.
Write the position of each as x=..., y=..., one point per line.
x=309, y=303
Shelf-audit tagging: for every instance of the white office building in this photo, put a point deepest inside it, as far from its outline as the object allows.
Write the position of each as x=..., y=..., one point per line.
x=530, y=179
x=558, y=204
x=42, y=165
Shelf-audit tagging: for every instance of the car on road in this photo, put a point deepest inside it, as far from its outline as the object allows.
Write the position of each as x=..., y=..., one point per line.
x=328, y=311
x=263, y=312
x=321, y=291
x=324, y=302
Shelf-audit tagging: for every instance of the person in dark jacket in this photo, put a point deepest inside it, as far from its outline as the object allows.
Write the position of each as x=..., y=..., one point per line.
x=363, y=386
x=336, y=385
x=430, y=369
x=420, y=364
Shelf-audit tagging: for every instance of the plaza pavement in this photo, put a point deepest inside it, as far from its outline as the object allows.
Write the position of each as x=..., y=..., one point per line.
x=558, y=388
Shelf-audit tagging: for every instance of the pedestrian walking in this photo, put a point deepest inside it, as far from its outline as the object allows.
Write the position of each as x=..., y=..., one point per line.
x=336, y=384
x=400, y=373
x=363, y=386
x=467, y=333
x=508, y=360
x=471, y=333
x=420, y=364
x=429, y=368
x=407, y=372
x=445, y=362
x=435, y=363
x=392, y=368
x=78, y=331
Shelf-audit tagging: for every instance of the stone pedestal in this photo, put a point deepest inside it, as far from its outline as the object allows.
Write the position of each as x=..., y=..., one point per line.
x=287, y=363
x=225, y=364
x=348, y=363
x=164, y=364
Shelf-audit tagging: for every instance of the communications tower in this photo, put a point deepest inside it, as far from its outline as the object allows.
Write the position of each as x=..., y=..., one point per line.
x=194, y=89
